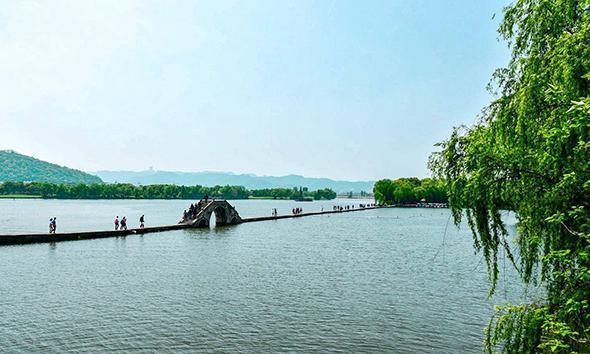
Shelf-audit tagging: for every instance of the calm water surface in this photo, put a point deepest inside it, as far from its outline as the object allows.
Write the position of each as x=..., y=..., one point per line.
x=372, y=281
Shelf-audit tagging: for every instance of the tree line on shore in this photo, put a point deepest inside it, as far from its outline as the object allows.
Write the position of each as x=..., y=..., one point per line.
x=410, y=190
x=292, y=193
x=156, y=191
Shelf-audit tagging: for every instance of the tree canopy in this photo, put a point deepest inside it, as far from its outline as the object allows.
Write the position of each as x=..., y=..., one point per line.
x=20, y=168
x=409, y=190
x=530, y=153
x=154, y=191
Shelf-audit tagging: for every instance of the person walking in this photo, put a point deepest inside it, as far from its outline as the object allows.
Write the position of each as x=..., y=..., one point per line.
x=117, y=223
x=51, y=225
x=141, y=222
x=54, y=223
x=124, y=223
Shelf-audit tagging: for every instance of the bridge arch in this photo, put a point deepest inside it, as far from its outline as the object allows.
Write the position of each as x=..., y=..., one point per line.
x=225, y=214
x=219, y=214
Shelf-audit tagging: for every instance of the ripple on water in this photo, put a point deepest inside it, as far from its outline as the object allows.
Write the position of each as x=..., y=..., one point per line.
x=361, y=282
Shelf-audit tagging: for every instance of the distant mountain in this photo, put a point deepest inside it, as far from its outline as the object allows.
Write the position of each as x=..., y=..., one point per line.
x=15, y=167
x=225, y=178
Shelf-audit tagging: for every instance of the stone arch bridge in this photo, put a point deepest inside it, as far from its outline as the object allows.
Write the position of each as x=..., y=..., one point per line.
x=225, y=214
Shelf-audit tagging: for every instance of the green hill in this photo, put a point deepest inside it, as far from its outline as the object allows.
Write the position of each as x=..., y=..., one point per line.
x=15, y=167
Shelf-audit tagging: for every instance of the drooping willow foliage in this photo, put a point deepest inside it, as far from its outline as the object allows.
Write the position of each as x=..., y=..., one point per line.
x=530, y=153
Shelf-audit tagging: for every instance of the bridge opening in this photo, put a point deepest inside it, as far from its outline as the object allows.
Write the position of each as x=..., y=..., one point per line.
x=218, y=217
x=212, y=221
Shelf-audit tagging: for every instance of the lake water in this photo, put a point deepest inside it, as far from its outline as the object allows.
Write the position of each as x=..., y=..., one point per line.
x=370, y=281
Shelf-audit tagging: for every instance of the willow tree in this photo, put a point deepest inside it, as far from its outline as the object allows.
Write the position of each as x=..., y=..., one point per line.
x=530, y=153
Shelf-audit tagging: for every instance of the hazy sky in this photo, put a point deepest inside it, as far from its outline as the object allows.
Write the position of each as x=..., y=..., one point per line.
x=340, y=89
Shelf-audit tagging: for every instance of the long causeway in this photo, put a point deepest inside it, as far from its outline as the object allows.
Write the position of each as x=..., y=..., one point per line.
x=225, y=214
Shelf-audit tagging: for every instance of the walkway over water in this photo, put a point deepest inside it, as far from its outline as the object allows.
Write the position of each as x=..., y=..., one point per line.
x=225, y=214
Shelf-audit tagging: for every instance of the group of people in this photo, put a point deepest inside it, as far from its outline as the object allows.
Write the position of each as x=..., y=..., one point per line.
x=349, y=207
x=370, y=205
x=431, y=205
x=52, y=225
x=194, y=209
x=122, y=224
x=297, y=211
x=119, y=224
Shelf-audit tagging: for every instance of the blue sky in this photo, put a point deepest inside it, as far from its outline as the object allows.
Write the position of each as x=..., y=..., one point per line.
x=339, y=89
